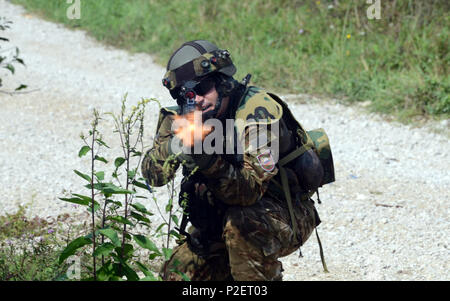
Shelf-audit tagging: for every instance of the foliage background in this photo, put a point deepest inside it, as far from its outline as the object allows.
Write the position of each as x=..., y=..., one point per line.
x=329, y=48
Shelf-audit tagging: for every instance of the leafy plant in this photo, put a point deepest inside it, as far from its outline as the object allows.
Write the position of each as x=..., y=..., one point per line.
x=120, y=225
x=9, y=56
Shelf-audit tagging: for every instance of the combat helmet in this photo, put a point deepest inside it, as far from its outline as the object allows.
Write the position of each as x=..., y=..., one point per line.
x=194, y=61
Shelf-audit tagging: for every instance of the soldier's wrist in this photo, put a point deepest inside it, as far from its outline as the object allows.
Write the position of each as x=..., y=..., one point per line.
x=206, y=162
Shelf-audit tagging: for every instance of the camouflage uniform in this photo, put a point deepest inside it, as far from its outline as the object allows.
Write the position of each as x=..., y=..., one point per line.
x=257, y=225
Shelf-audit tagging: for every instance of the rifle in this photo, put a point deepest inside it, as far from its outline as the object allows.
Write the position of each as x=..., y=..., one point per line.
x=205, y=216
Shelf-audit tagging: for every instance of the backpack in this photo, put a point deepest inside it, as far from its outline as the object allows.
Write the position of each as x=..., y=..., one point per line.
x=317, y=140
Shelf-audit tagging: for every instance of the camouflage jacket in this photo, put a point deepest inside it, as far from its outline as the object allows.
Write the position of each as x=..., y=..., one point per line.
x=248, y=178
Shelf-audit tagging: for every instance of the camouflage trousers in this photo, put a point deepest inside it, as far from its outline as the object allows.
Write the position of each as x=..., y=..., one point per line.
x=254, y=237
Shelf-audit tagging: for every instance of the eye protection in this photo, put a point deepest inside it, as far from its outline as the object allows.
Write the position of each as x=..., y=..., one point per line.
x=191, y=89
x=204, y=86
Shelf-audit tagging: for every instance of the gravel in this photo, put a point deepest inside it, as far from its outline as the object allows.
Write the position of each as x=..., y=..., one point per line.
x=385, y=218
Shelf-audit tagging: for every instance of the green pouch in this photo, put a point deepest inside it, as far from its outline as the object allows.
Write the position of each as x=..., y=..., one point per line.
x=323, y=149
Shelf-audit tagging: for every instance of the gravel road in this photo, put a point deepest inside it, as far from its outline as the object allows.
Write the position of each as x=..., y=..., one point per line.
x=385, y=218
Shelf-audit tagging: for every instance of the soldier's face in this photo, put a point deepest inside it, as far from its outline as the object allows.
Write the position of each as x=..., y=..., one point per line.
x=207, y=97
x=207, y=101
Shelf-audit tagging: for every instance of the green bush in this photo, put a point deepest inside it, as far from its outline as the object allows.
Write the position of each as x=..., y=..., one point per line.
x=116, y=240
x=120, y=242
x=433, y=97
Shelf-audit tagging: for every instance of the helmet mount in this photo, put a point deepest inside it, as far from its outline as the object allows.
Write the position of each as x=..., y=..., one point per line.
x=193, y=69
x=193, y=61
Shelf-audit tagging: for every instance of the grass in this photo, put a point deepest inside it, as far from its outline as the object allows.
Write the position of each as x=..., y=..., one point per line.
x=29, y=249
x=399, y=63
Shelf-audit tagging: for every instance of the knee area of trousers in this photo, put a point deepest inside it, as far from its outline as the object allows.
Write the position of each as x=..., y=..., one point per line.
x=236, y=219
x=230, y=231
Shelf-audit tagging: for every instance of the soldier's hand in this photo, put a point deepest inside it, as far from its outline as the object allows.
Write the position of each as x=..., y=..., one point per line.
x=186, y=156
x=202, y=192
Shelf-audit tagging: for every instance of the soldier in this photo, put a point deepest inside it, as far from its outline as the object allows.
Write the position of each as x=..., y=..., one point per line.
x=247, y=208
